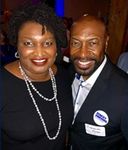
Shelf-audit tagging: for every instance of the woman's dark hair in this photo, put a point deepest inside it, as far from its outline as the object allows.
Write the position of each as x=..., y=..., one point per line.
x=42, y=14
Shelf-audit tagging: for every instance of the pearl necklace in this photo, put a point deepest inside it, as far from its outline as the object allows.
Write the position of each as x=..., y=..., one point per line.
x=30, y=84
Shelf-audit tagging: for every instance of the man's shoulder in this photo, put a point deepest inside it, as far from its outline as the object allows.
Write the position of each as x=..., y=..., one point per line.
x=112, y=71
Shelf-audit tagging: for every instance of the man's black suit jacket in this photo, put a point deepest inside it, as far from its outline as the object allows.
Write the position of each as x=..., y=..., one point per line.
x=105, y=103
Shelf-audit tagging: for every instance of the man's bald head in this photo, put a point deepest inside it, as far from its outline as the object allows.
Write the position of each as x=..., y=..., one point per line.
x=89, y=18
x=88, y=43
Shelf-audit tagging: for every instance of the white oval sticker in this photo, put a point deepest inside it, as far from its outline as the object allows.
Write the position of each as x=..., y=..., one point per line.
x=100, y=118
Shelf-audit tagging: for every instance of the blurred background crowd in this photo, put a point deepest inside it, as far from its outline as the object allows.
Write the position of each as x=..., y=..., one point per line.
x=114, y=12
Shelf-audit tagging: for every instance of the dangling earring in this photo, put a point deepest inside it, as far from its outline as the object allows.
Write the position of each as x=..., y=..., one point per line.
x=17, y=55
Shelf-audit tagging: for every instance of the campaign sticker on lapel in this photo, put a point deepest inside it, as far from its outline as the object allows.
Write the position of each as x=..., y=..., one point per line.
x=100, y=118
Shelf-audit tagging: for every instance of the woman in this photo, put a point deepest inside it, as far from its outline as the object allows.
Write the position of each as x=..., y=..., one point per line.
x=37, y=107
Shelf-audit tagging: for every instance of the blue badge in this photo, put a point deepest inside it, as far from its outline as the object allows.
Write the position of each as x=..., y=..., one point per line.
x=100, y=118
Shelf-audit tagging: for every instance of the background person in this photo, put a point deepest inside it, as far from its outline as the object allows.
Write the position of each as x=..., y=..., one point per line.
x=99, y=89
x=123, y=61
x=7, y=51
x=37, y=108
x=66, y=51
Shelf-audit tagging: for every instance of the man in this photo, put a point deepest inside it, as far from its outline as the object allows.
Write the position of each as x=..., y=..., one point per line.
x=99, y=90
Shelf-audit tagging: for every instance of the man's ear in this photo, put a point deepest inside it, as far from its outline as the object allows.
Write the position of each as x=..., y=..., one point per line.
x=106, y=43
x=107, y=40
